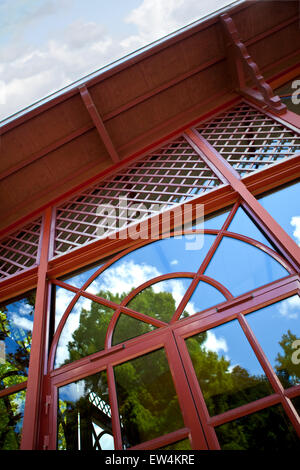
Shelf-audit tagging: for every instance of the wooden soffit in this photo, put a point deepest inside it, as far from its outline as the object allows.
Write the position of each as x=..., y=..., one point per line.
x=124, y=110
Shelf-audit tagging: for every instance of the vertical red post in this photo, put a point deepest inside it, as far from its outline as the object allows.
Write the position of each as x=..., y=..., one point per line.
x=35, y=375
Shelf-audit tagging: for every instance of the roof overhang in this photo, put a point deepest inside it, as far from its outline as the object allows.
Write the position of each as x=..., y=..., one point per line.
x=122, y=111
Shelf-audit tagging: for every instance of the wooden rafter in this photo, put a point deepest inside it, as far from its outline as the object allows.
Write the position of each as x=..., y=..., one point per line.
x=97, y=120
x=241, y=61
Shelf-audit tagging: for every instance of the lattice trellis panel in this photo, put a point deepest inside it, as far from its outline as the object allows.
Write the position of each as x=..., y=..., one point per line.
x=248, y=139
x=19, y=250
x=171, y=175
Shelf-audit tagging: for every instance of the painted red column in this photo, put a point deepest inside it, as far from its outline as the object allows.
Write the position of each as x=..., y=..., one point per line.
x=37, y=354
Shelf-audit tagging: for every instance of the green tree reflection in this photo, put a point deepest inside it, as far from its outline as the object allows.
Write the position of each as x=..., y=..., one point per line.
x=89, y=337
x=14, y=362
x=287, y=370
x=148, y=404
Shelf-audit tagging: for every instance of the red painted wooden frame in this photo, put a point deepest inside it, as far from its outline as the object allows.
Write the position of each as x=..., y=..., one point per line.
x=110, y=353
x=40, y=412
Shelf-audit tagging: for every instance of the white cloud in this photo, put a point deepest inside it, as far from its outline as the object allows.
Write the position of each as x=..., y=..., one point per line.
x=295, y=222
x=22, y=322
x=155, y=18
x=29, y=73
x=31, y=69
x=71, y=324
x=123, y=277
x=290, y=308
x=215, y=344
x=25, y=309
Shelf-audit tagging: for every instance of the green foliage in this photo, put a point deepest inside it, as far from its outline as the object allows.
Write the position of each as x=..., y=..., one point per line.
x=148, y=404
x=13, y=370
x=287, y=370
x=89, y=337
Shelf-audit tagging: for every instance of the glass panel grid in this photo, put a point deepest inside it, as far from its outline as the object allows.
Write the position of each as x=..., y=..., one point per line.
x=239, y=414
x=248, y=139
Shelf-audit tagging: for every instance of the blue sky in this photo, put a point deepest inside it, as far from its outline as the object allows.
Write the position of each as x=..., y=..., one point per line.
x=47, y=44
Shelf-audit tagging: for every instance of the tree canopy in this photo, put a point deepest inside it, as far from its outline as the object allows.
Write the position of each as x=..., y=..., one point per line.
x=148, y=404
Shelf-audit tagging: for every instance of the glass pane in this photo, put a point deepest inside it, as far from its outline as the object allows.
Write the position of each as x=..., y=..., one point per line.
x=243, y=225
x=84, y=331
x=148, y=403
x=179, y=254
x=212, y=221
x=84, y=415
x=277, y=328
x=284, y=206
x=203, y=297
x=77, y=280
x=226, y=368
x=161, y=299
x=180, y=445
x=16, y=323
x=63, y=298
x=242, y=267
x=11, y=420
x=269, y=429
x=128, y=328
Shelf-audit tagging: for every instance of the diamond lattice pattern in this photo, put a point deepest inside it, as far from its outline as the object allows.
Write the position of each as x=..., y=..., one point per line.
x=173, y=174
x=249, y=139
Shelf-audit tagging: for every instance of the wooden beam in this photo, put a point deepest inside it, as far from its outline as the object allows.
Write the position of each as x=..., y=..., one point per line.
x=240, y=60
x=97, y=120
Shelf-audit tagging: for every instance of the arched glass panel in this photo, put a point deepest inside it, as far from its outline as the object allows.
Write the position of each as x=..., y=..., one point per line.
x=84, y=331
x=176, y=254
x=81, y=277
x=284, y=206
x=242, y=267
x=62, y=299
x=212, y=221
x=243, y=225
x=282, y=343
x=161, y=299
x=203, y=297
x=128, y=327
